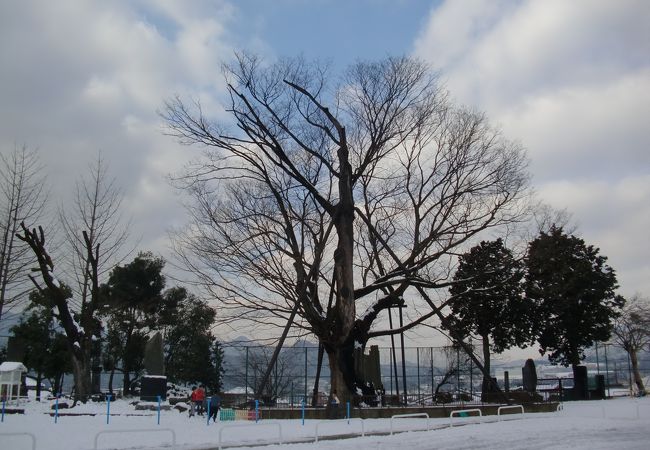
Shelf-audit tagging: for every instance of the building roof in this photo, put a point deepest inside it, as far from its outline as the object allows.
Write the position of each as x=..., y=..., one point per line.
x=10, y=366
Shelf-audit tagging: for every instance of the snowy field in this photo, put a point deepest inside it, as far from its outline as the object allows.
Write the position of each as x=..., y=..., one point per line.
x=622, y=423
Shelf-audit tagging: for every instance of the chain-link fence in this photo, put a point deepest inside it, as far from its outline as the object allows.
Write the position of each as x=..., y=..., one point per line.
x=409, y=376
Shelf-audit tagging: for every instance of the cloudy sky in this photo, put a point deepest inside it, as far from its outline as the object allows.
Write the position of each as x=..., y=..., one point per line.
x=568, y=79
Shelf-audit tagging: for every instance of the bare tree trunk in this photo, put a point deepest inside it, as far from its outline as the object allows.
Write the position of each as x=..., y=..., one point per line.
x=635, y=370
x=341, y=362
x=319, y=365
x=79, y=339
x=110, y=381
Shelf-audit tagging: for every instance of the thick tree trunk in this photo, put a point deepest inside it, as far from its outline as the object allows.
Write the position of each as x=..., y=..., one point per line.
x=635, y=370
x=126, y=383
x=39, y=380
x=82, y=379
x=340, y=345
x=341, y=362
x=110, y=381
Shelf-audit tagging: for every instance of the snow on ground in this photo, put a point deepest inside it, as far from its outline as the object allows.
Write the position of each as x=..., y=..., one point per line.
x=620, y=423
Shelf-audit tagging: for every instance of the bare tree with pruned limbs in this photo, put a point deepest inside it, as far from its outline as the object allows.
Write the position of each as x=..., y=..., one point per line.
x=327, y=204
x=94, y=252
x=22, y=198
x=81, y=329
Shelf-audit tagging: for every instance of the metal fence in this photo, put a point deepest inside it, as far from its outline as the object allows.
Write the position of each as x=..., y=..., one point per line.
x=412, y=376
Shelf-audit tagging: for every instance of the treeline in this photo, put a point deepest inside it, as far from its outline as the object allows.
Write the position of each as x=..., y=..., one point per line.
x=134, y=304
x=84, y=306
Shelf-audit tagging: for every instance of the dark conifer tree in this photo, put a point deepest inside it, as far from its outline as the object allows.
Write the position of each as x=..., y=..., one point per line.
x=487, y=300
x=574, y=291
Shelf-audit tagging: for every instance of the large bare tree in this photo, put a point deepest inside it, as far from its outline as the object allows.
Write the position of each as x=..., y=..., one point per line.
x=81, y=328
x=326, y=204
x=95, y=233
x=22, y=198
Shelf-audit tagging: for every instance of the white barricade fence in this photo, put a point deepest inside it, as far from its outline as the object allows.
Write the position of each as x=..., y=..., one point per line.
x=503, y=408
x=144, y=430
x=403, y=416
x=348, y=421
x=249, y=425
x=30, y=435
x=464, y=413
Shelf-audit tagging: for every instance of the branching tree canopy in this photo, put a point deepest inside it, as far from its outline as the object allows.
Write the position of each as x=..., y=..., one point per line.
x=332, y=199
x=488, y=299
x=95, y=233
x=574, y=292
x=22, y=198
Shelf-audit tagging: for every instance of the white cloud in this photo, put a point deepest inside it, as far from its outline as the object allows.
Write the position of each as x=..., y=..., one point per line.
x=571, y=81
x=80, y=77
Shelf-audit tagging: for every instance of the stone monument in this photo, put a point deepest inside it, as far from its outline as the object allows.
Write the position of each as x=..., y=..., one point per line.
x=154, y=383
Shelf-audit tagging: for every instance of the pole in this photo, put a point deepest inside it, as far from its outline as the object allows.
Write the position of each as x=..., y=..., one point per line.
x=348, y=409
x=597, y=361
x=417, y=353
x=392, y=345
x=257, y=411
x=3, y=410
x=401, y=334
x=607, y=370
x=159, y=410
x=303, y=412
x=458, y=371
x=432, y=378
x=56, y=410
x=305, y=372
x=246, y=375
x=209, y=401
x=471, y=371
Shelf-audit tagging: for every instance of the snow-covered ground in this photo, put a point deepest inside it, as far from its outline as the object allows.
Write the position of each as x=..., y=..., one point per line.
x=622, y=423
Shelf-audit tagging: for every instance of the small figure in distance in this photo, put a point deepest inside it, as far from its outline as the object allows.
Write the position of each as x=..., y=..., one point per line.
x=200, y=399
x=192, y=401
x=215, y=406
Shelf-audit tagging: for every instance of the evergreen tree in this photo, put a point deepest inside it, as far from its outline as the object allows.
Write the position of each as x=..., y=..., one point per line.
x=131, y=304
x=191, y=352
x=46, y=351
x=487, y=300
x=574, y=291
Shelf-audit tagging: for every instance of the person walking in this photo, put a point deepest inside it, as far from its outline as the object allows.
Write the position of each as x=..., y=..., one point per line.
x=215, y=406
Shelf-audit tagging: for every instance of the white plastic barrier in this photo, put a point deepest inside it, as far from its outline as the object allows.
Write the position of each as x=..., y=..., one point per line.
x=363, y=431
x=259, y=424
x=402, y=416
x=502, y=408
x=459, y=413
x=146, y=430
x=30, y=435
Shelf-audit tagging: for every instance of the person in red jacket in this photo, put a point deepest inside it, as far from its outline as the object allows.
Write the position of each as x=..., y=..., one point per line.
x=192, y=400
x=200, y=399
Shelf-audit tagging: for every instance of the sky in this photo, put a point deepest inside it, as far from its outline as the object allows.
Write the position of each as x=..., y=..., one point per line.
x=569, y=80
